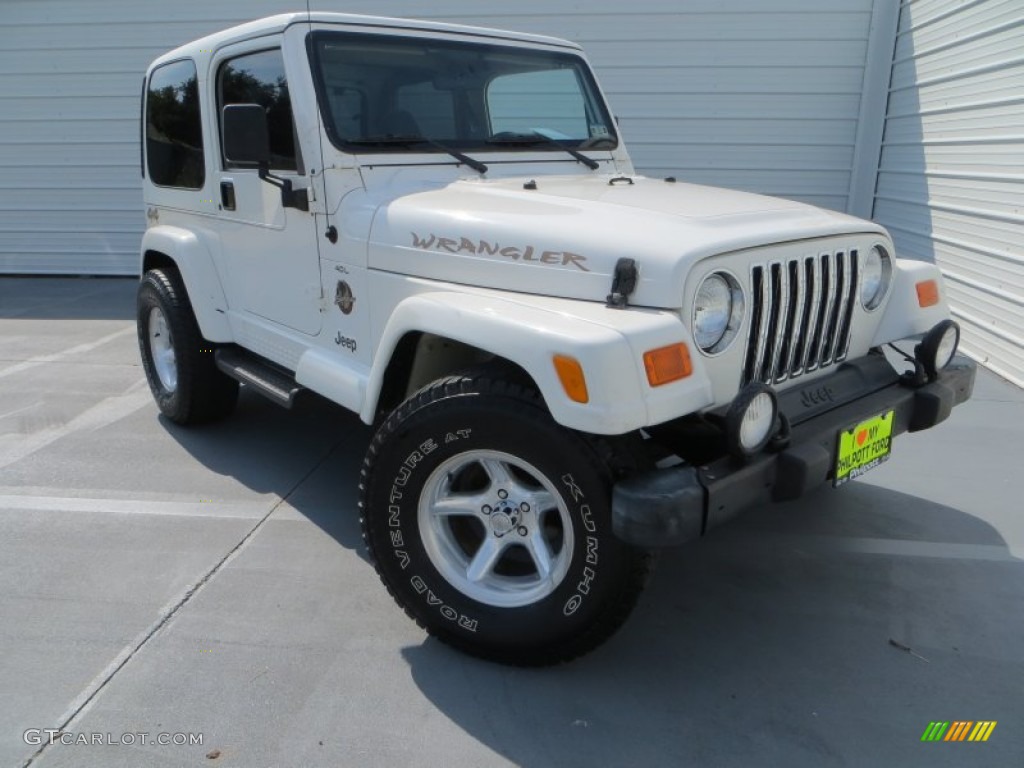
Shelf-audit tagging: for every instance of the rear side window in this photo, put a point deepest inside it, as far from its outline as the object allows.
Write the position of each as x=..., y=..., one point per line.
x=174, y=131
x=258, y=78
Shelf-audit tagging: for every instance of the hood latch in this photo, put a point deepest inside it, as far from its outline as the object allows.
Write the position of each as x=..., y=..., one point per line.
x=623, y=283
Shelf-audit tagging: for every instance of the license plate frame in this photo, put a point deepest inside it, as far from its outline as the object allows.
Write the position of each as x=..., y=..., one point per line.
x=862, y=447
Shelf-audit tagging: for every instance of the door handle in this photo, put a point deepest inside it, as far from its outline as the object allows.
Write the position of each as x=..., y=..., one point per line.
x=227, y=195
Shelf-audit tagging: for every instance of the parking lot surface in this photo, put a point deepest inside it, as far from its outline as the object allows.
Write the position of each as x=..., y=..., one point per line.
x=161, y=583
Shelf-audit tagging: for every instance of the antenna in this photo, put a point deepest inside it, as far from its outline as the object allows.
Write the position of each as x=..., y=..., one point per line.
x=320, y=139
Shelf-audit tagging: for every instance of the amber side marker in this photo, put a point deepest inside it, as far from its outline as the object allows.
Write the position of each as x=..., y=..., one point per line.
x=667, y=364
x=927, y=293
x=570, y=373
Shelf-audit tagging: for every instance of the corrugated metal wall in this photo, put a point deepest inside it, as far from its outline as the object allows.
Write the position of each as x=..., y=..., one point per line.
x=951, y=176
x=755, y=94
x=70, y=78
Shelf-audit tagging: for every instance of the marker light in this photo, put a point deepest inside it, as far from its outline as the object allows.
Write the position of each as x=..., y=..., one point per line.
x=570, y=373
x=667, y=364
x=927, y=293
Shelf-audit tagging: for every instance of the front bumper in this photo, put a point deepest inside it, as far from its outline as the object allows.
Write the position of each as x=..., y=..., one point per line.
x=670, y=506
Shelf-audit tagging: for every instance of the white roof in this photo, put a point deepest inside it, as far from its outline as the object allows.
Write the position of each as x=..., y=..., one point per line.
x=274, y=24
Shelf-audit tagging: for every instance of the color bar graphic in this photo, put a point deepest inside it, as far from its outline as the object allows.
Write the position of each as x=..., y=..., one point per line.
x=982, y=730
x=958, y=730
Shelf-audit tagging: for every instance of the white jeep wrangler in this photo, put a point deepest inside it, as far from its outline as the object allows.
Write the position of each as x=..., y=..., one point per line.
x=439, y=228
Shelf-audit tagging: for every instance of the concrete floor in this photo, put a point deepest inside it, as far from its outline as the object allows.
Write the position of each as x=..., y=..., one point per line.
x=161, y=580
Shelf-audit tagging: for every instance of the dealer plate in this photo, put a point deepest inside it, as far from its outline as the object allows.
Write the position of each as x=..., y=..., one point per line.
x=863, y=447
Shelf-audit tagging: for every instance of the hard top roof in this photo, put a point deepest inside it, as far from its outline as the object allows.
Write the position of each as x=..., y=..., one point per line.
x=274, y=24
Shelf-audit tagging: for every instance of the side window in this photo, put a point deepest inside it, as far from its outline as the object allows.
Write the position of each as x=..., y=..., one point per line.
x=258, y=78
x=174, y=131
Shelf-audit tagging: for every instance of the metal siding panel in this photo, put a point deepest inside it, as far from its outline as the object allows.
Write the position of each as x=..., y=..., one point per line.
x=956, y=121
x=753, y=95
x=960, y=157
x=703, y=131
x=723, y=79
x=999, y=198
x=759, y=157
x=966, y=89
x=947, y=63
x=961, y=19
x=951, y=177
x=1001, y=355
x=70, y=73
x=919, y=14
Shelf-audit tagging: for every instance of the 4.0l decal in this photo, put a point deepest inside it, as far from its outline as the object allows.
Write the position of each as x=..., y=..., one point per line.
x=486, y=248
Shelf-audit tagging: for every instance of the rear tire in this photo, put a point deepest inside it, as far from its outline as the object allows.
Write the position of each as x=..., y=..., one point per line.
x=186, y=383
x=491, y=525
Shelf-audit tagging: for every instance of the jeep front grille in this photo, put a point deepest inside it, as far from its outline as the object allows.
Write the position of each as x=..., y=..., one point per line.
x=800, y=315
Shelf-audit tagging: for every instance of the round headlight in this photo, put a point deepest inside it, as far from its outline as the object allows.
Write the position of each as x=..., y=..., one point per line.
x=717, y=312
x=876, y=274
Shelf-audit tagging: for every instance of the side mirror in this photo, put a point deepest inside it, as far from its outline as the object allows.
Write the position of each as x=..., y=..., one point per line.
x=246, y=141
x=246, y=138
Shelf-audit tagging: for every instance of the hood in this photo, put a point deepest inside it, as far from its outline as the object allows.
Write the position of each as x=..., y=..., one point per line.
x=562, y=236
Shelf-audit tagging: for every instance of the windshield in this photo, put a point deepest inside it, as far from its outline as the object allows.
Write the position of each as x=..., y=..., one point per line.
x=381, y=94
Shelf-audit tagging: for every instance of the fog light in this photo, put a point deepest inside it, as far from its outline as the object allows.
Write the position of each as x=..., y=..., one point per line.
x=750, y=420
x=937, y=348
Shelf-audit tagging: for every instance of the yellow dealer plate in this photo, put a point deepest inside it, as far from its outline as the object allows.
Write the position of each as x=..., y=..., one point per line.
x=863, y=447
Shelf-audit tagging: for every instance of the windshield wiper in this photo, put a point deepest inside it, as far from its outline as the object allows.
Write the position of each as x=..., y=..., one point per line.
x=536, y=137
x=412, y=140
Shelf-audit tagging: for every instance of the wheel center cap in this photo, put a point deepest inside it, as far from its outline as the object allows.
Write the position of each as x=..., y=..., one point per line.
x=501, y=523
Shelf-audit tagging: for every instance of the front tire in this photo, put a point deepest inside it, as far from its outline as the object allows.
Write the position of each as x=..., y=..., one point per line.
x=491, y=525
x=186, y=383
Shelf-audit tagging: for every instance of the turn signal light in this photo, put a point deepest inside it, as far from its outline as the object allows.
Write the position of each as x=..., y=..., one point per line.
x=570, y=373
x=667, y=364
x=927, y=293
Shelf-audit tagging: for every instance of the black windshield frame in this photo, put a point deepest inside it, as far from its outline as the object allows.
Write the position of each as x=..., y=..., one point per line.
x=466, y=136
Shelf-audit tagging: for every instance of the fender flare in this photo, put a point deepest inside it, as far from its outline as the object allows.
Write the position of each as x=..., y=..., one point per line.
x=195, y=263
x=529, y=335
x=904, y=317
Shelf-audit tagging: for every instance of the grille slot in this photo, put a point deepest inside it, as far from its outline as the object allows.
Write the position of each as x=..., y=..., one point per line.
x=801, y=313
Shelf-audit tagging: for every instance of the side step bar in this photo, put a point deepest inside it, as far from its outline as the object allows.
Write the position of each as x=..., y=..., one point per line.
x=267, y=379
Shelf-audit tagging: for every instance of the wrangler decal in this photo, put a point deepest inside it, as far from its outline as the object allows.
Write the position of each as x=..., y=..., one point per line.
x=484, y=248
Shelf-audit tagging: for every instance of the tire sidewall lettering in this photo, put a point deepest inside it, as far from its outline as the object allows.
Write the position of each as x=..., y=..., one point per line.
x=397, y=539
x=421, y=588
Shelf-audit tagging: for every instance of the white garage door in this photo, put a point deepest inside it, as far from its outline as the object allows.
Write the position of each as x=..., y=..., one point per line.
x=762, y=95
x=951, y=178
